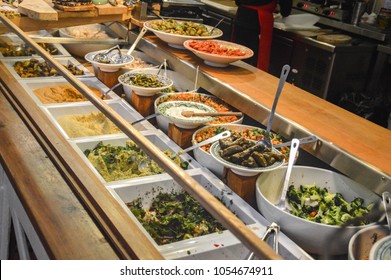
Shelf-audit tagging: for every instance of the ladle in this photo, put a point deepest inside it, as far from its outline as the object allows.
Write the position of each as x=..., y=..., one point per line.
x=215, y=138
x=304, y=140
x=292, y=155
x=189, y=114
x=284, y=74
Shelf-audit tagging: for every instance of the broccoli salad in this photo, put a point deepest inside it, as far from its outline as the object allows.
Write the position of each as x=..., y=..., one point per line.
x=317, y=204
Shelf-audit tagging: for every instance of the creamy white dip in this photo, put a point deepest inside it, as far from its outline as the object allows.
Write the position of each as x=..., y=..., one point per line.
x=176, y=112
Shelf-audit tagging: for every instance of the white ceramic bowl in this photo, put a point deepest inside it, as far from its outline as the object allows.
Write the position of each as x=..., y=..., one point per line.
x=176, y=40
x=109, y=67
x=206, y=159
x=313, y=237
x=81, y=50
x=242, y=170
x=172, y=111
x=141, y=62
x=362, y=241
x=163, y=122
x=381, y=250
x=218, y=60
x=140, y=90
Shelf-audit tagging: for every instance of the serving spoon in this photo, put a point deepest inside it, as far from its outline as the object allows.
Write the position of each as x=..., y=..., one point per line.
x=214, y=27
x=215, y=138
x=266, y=141
x=140, y=35
x=292, y=155
x=189, y=114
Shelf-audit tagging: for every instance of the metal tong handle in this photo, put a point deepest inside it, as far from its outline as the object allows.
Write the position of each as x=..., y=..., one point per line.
x=145, y=118
x=215, y=138
x=284, y=74
x=272, y=228
x=304, y=140
x=110, y=89
x=387, y=206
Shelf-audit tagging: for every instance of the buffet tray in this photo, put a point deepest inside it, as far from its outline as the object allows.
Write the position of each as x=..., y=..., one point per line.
x=212, y=246
x=14, y=39
x=156, y=137
x=31, y=85
x=63, y=60
x=80, y=108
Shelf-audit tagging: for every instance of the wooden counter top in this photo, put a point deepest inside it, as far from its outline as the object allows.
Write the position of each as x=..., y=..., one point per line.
x=355, y=135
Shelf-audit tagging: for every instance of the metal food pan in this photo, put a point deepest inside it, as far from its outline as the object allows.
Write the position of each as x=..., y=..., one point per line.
x=31, y=85
x=81, y=108
x=212, y=246
x=157, y=137
x=9, y=63
x=15, y=40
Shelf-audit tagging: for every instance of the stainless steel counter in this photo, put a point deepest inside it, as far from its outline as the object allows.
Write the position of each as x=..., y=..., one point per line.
x=325, y=151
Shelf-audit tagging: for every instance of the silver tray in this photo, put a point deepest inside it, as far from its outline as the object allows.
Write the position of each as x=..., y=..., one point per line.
x=212, y=246
x=157, y=137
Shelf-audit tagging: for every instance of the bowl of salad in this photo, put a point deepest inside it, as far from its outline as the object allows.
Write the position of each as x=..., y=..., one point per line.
x=218, y=53
x=175, y=32
x=202, y=154
x=207, y=99
x=142, y=83
x=321, y=206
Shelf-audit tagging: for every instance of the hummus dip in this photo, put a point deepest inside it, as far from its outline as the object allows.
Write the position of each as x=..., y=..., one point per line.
x=61, y=94
x=87, y=125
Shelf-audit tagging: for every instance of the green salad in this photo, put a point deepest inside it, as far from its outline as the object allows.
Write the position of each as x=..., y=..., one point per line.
x=174, y=217
x=124, y=162
x=317, y=204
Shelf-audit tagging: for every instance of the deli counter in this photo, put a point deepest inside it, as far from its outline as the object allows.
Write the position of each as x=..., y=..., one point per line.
x=53, y=195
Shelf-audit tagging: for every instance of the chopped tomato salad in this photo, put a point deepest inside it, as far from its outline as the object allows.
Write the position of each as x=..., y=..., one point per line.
x=213, y=47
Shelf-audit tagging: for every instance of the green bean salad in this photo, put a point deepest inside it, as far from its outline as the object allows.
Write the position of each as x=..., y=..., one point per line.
x=143, y=80
x=188, y=28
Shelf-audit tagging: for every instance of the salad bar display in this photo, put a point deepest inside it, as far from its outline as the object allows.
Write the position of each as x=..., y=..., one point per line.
x=170, y=216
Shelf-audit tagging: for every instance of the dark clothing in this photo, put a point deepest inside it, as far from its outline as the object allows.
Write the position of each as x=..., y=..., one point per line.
x=254, y=27
x=285, y=5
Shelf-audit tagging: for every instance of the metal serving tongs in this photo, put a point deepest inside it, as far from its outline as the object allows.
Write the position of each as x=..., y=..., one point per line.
x=215, y=138
x=103, y=56
x=272, y=228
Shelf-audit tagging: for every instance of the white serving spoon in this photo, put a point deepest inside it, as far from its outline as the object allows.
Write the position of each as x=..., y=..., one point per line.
x=292, y=155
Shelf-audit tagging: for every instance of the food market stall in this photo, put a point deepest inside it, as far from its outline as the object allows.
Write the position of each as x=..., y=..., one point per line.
x=336, y=145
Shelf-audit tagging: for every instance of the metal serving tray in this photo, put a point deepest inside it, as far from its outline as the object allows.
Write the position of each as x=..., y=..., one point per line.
x=157, y=137
x=31, y=85
x=212, y=246
x=80, y=108
x=15, y=40
x=9, y=63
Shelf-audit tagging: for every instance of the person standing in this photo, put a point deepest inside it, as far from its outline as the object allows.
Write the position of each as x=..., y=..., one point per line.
x=253, y=27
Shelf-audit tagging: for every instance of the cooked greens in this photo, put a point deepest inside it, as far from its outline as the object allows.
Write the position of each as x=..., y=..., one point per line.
x=173, y=217
x=317, y=204
x=124, y=162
